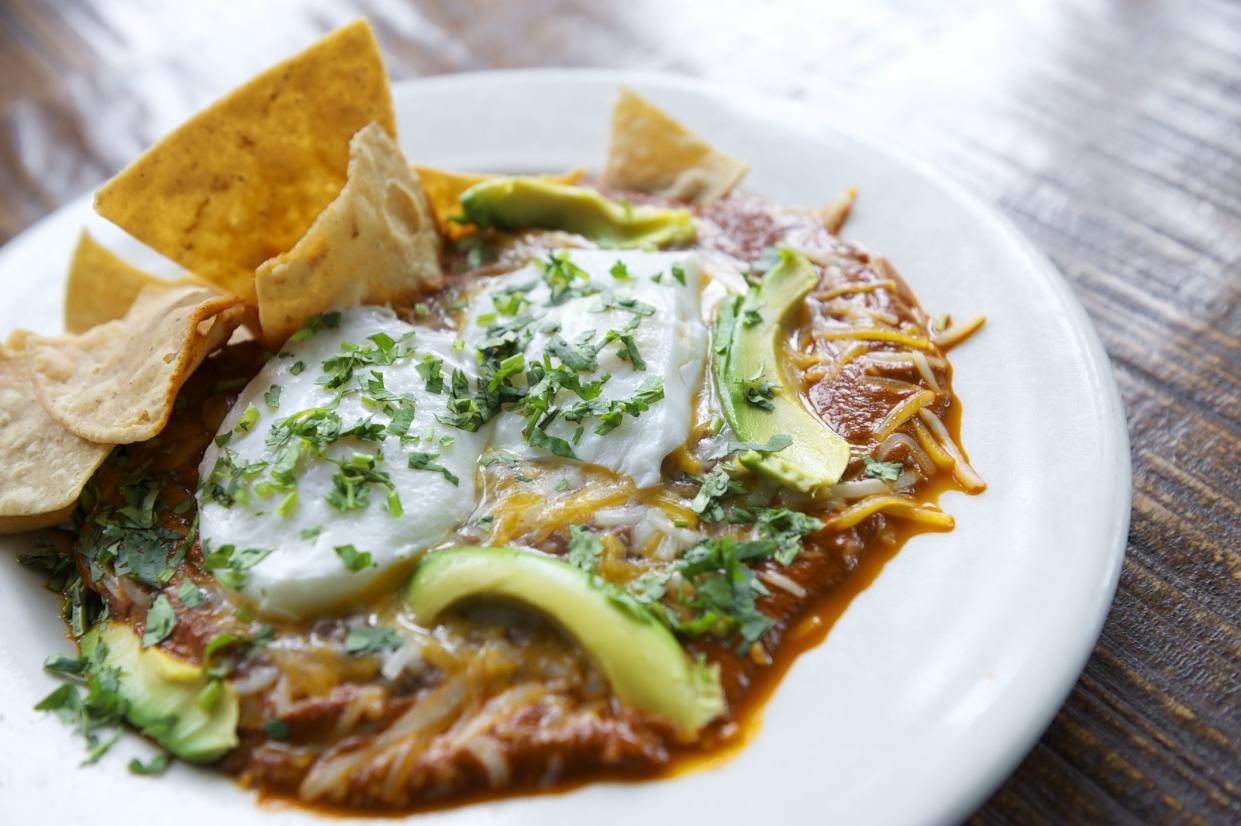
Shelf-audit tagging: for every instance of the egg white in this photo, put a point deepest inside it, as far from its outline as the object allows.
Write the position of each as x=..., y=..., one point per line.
x=672, y=342
x=305, y=576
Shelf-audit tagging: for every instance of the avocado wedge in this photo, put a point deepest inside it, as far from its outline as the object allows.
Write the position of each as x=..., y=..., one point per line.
x=166, y=697
x=516, y=203
x=757, y=399
x=641, y=659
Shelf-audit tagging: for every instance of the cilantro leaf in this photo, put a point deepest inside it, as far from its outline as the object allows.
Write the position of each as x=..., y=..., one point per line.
x=155, y=767
x=585, y=548
x=190, y=595
x=715, y=487
x=314, y=324
x=540, y=438
x=426, y=461
x=431, y=370
x=759, y=392
x=369, y=639
x=161, y=619
x=786, y=528
x=353, y=559
x=887, y=471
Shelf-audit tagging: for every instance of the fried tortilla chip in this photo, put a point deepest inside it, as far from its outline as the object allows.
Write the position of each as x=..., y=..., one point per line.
x=45, y=466
x=116, y=383
x=650, y=152
x=444, y=189
x=242, y=180
x=374, y=244
x=102, y=287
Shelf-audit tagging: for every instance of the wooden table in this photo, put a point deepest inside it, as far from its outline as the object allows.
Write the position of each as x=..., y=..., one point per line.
x=1109, y=131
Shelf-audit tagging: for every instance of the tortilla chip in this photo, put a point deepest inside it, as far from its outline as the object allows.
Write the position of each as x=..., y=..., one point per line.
x=444, y=190
x=374, y=244
x=45, y=466
x=242, y=180
x=650, y=152
x=102, y=287
x=116, y=383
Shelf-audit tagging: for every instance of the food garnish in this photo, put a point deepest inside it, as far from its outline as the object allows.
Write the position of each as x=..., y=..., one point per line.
x=651, y=152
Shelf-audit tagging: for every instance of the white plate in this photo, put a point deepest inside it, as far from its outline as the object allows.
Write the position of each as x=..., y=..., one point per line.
x=938, y=678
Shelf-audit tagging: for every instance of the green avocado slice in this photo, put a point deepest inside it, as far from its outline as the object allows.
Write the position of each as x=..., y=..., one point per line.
x=164, y=696
x=640, y=658
x=516, y=203
x=747, y=362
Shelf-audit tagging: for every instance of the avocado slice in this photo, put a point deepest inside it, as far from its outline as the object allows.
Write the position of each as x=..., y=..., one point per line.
x=162, y=694
x=747, y=362
x=639, y=657
x=520, y=202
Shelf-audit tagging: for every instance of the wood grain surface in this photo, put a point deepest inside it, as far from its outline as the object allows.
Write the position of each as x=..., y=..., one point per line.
x=1109, y=131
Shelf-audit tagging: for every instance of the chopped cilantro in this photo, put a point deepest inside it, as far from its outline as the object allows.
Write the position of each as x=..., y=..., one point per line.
x=231, y=564
x=426, y=461
x=725, y=589
x=353, y=559
x=578, y=356
x=222, y=641
x=161, y=619
x=678, y=272
x=98, y=714
x=650, y=587
x=584, y=548
x=508, y=302
x=620, y=272
x=559, y=273
x=887, y=471
x=506, y=459
x=513, y=365
x=190, y=595
x=402, y=418
x=314, y=324
x=277, y=729
x=369, y=639
x=628, y=304
x=477, y=251
x=759, y=392
x=339, y=370
x=715, y=487
x=272, y=397
x=157, y=765
x=66, y=666
x=775, y=444
x=629, y=346
x=287, y=504
x=540, y=438
x=351, y=484
x=249, y=418
x=46, y=559
x=786, y=528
